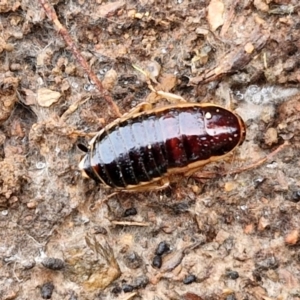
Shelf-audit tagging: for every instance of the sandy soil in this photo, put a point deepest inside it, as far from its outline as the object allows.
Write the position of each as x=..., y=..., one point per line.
x=225, y=237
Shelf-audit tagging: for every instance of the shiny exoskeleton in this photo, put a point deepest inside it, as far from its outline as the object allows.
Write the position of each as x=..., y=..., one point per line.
x=144, y=150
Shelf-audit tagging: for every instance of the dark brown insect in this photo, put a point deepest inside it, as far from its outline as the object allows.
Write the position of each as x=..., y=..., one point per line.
x=145, y=148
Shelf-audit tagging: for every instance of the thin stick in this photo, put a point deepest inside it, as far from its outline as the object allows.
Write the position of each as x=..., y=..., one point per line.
x=242, y=169
x=127, y=223
x=258, y=162
x=81, y=60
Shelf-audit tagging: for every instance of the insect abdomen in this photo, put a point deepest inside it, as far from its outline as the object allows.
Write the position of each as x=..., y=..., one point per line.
x=152, y=144
x=130, y=153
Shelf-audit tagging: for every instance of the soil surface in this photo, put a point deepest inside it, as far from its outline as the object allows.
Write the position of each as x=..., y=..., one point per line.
x=234, y=235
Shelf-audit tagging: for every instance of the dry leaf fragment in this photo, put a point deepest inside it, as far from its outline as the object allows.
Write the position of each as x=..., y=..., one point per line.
x=261, y=5
x=30, y=97
x=109, y=9
x=46, y=97
x=110, y=79
x=215, y=14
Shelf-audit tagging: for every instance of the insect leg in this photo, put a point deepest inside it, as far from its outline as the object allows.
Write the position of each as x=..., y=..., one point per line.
x=172, y=98
x=152, y=186
x=191, y=171
x=144, y=106
x=72, y=108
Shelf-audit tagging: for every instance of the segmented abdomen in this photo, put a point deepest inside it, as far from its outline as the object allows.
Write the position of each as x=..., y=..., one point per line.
x=147, y=146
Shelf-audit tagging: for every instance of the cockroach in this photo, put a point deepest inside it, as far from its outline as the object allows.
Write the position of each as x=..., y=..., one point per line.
x=145, y=149
x=148, y=147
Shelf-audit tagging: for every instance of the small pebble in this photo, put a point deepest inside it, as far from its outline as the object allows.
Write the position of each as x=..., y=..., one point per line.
x=140, y=281
x=292, y=237
x=296, y=196
x=130, y=212
x=162, y=248
x=32, y=204
x=156, y=262
x=189, y=279
x=53, y=263
x=232, y=274
x=127, y=288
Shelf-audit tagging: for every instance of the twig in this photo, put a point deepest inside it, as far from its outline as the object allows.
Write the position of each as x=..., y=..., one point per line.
x=258, y=162
x=81, y=60
x=242, y=169
x=127, y=223
x=72, y=108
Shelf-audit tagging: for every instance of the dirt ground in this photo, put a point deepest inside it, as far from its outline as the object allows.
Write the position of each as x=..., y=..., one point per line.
x=234, y=236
